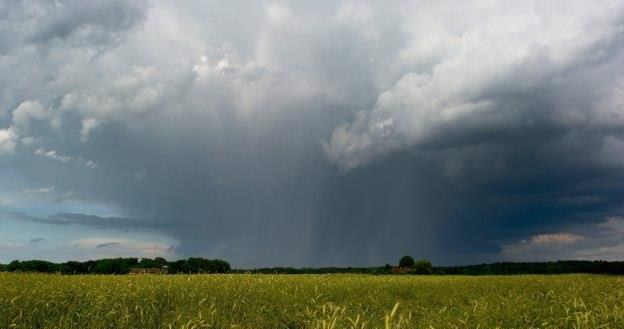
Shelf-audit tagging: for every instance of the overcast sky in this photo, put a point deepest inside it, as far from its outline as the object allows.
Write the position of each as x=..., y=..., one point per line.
x=312, y=132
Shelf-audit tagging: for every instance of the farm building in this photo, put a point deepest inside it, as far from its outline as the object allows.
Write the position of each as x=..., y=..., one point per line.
x=149, y=270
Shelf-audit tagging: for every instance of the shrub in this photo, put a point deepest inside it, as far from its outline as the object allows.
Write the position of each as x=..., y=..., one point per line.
x=422, y=266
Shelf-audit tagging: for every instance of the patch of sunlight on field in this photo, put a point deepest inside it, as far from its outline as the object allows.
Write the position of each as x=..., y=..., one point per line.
x=310, y=301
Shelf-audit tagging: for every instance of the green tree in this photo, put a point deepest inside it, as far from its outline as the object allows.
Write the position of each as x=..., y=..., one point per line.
x=32, y=266
x=160, y=261
x=422, y=266
x=406, y=261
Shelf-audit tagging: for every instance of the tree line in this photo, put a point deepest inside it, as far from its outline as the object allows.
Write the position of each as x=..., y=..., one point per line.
x=119, y=266
x=409, y=266
x=556, y=267
x=313, y=270
x=406, y=266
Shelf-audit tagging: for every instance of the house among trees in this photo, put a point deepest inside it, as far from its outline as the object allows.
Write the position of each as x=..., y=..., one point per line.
x=400, y=270
x=149, y=270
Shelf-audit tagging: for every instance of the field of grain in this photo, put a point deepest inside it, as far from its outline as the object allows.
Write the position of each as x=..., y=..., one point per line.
x=310, y=301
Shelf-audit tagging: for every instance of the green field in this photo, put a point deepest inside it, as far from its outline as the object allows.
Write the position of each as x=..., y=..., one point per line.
x=310, y=301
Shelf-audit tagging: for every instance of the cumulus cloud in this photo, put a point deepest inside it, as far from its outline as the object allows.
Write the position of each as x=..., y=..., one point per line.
x=53, y=155
x=67, y=22
x=479, y=77
x=88, y=124
x=25, y=112
x=7, y=141
x=39, y=40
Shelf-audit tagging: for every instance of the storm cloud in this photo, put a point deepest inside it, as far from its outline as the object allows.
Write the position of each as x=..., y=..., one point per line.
x=319, y=133
x=92, y=221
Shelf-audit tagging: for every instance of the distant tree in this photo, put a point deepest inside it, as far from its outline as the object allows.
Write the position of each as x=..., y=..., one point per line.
x=114, y=265
x=160, y=261
x=179, y=266
x=13, y=266
x=422, y=266
x=73, y=267
x=406, y=261
x=199, y=265
x=32, y=266
x=157, y=262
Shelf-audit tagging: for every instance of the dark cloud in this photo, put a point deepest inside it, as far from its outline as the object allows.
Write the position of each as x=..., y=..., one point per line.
x=327, y=133
x=91, y=221
x=67, y=22
x=35, y=219
x=108, y=222
x=107, y=244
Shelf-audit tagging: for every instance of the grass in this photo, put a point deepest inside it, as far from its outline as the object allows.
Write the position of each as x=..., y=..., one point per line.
x=310, y=301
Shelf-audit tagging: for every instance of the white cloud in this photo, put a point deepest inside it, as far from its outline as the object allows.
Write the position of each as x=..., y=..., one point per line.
x=88, y=124
x=38, y=40
x=140, y=174
x=7, y=245
x=90, y=164
x=52, y=154
x=30, y=140
x=19, y=128
x=465, y=72
x=26, y=112
x=7, y=141
x=40, y=190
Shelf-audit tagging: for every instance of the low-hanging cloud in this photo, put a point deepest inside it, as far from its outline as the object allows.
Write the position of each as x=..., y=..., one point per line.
x=91, y=221
x=107, y=244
